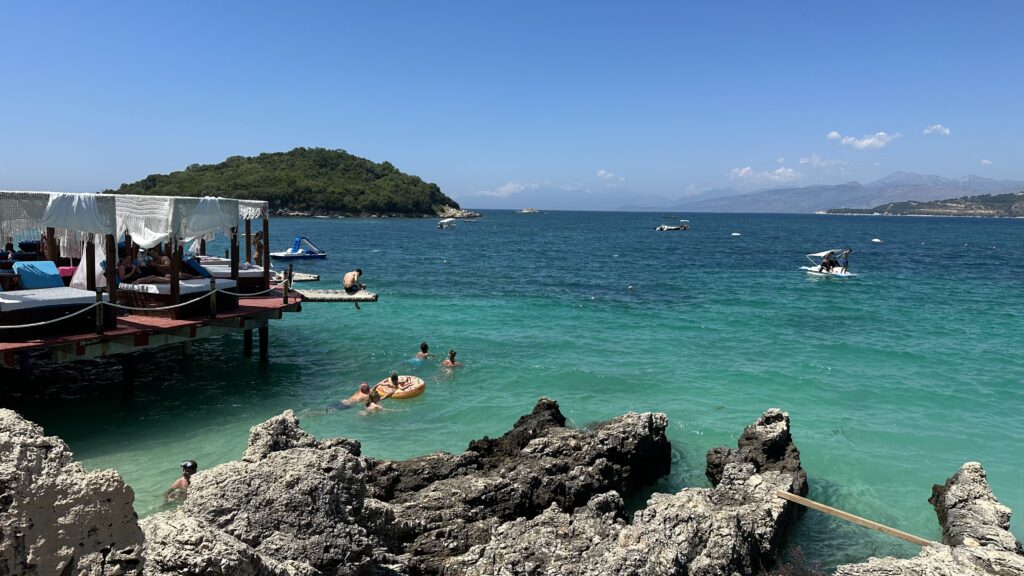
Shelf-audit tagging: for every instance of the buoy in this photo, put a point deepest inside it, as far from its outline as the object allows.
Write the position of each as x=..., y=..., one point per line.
x=876, y=241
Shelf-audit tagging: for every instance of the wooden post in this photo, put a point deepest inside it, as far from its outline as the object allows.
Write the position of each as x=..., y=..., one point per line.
x=90, y=264
x=266, y=253
x=99, y=313
x=287, y=282
x=248, y=241
x=111, y=271
x=202, y=247
x=853, y=518
x=247, y=343
x=51, y=245
x=176, y=277
x=213, y=297
x=264, y=342
x=234, y=254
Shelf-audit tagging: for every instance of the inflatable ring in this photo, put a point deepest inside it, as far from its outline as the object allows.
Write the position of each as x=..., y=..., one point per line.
x=408, y=387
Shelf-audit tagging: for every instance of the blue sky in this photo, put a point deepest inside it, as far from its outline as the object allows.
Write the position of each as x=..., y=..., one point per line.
x=588, y=104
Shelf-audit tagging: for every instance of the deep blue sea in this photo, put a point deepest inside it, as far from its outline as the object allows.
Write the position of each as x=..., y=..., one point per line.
x=892, y=379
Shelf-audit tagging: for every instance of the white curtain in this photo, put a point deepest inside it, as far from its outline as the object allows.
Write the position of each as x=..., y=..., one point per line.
x=21, y=212
x=82, y=274
x=146, y=218
x=253, y=209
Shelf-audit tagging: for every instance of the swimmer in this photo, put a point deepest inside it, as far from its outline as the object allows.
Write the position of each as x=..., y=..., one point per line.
x=359, y=396
x=450, y=361
x=372, y=403
x=180, y=487
x=424, y=352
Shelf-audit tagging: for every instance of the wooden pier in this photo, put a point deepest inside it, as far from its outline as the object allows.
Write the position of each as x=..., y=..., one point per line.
x=136, y=332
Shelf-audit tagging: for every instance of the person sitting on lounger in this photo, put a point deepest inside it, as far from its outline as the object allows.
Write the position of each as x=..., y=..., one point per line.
x=180, y=486
x=154, y=264
x=129, y=273
x=450, y=361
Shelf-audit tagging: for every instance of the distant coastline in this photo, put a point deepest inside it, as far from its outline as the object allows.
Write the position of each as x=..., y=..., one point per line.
x=982, y=206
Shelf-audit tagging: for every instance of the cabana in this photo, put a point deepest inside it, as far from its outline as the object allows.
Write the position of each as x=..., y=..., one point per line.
x=152, y=221
x=40, y=298
x=254, y=274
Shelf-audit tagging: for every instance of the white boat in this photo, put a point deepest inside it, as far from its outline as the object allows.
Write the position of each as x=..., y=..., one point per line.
x=302, y=249
x=529, y=211
x=816, y=268
x=735, y=234
x=683, y=225
x=446, y=223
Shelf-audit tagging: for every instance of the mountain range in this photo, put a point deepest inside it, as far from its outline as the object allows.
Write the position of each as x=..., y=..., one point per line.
x=897, y=187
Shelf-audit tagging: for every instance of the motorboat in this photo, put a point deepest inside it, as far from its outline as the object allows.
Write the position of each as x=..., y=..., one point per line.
x=820, y=269
x=446, y=223
x=529, y=211
x=302, y=249
x=683, y=225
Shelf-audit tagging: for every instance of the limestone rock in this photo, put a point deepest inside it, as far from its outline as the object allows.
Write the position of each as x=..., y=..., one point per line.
x=57, y=518
x=768, y=445
x=975, y=535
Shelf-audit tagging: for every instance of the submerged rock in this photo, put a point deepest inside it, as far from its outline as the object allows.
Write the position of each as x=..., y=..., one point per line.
x=976, y=538
x=57, y=518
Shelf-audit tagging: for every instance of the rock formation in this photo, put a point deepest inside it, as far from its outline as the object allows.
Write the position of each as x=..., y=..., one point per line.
x=976, y=537
x=737, y=527
x=56, y=518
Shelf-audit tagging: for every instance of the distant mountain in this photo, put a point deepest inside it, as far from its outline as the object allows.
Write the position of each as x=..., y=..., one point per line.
x=897, y=187
x=311, y=181
x=998, y=205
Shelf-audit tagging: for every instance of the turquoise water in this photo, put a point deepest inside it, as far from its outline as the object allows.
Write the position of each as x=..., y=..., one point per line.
x=892, y=379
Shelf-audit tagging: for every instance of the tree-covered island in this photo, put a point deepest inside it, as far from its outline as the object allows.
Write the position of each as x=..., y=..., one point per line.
x=987, y=205
x=306, y=182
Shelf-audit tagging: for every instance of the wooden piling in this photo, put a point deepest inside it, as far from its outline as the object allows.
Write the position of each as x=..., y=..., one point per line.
x=110, y=245
x=264, y=343
x=234, y=254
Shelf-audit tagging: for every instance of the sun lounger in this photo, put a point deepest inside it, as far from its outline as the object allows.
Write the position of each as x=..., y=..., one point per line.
x=250, y=280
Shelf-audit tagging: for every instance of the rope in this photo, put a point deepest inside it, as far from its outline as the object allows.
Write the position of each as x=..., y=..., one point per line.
x=170, y=307
x=267, y=291
x=55, y=320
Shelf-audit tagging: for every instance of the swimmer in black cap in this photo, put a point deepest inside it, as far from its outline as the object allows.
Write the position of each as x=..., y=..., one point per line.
x=180, y=486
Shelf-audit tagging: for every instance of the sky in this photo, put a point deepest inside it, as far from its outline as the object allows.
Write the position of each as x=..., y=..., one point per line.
x=563, y=104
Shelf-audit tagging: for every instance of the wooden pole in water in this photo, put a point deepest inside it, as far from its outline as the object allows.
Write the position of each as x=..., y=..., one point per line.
x=247, y=343
x=264, y=342
x=853, y=518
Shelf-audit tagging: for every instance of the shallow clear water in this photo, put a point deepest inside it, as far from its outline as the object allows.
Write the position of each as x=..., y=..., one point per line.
x=892, y=379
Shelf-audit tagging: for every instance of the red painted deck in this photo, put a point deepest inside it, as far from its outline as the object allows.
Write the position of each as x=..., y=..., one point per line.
x=140, y=327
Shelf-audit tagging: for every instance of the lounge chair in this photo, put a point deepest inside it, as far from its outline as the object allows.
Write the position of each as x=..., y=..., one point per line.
x=44, y=297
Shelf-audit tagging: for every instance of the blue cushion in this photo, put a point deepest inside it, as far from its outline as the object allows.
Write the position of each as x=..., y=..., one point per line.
x=193, y=265
x=41, y=274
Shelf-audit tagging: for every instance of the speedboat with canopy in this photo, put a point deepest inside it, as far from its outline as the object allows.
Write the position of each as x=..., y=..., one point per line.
x=825, y=264
x=446, y=223
x=302, y=249
x=683, y=225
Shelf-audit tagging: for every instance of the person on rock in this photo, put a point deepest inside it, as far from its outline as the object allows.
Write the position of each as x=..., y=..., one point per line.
x=180, y=487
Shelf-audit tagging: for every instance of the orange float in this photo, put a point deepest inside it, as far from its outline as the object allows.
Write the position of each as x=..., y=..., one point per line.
x=408, y=387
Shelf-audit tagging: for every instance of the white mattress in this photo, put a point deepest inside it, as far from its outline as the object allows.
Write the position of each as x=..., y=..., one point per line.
x=224, y=271
x=46, y=297
x=197, y=286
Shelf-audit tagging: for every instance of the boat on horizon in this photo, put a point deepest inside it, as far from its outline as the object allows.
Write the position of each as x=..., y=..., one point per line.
x=301, y=249
x=446, y=223
x=528, y=211
x=683, y=225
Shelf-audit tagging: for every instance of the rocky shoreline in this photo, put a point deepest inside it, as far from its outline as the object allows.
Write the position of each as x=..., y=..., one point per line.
x=541, y=499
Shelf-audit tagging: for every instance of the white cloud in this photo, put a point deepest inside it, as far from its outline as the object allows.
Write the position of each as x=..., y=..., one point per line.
x=936, y=129
x=869, y=142
x=509, y=188
x=780, y=175
x=781, y=159
x=985, y=162
x=605, y=175
x=818, y=163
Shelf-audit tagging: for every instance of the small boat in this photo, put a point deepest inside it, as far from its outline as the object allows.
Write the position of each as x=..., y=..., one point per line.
x=408, y=387
x=528, y=211
x=876, y=240
x=735, y=234
x=446, y=223
x=683, y=225
x=817, y=269
x=302, y=249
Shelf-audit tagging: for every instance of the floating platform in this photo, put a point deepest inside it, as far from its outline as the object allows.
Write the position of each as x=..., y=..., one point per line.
x=336, y=296
x=297, y=277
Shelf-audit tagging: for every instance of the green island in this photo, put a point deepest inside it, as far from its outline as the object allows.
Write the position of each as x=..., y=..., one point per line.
x=306, y=182
x=986, y=205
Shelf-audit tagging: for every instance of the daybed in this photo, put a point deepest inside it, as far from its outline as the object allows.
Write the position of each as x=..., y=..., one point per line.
x=191, y=291
x=41, y=304
x=250, y=280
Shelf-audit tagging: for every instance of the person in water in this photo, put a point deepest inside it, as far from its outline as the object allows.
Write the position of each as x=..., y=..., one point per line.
x=424, y=352
x=844, y=260
x=450, y=361
x=180, y=487
x=359, y=396
x=372, y=402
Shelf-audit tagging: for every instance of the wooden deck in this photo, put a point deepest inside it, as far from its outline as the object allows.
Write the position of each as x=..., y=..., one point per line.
x=134, y=332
